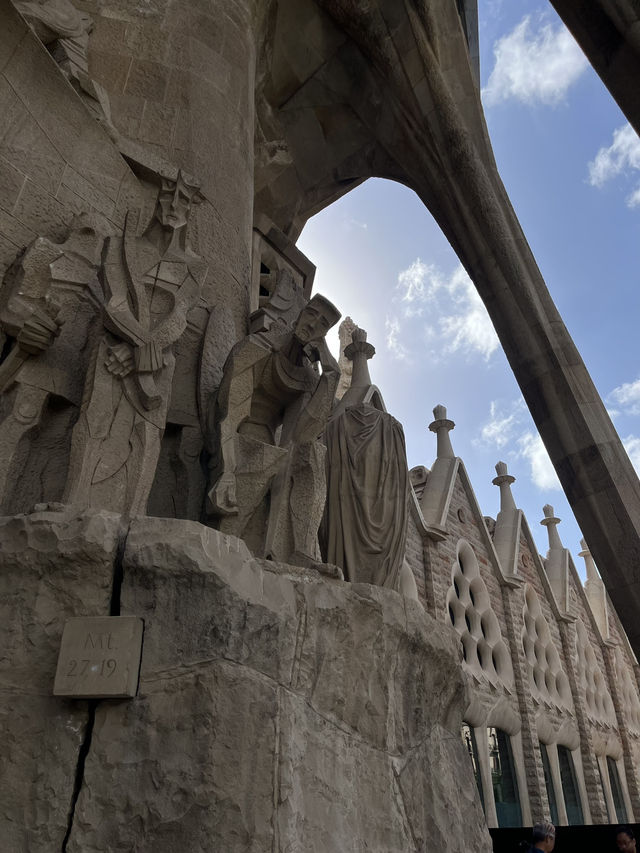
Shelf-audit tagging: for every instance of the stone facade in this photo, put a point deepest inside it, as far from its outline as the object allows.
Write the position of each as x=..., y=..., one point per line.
x=279, y=707
x=545, y=657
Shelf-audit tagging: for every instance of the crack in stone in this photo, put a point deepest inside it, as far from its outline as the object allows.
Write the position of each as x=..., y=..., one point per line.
x=403, y=808
x=85, y=746
x=118, y=573
x=275, y=848
x=301, y=634
x=82, y=757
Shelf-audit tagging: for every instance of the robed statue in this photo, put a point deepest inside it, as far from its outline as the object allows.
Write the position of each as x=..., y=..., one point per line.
x=364, y=528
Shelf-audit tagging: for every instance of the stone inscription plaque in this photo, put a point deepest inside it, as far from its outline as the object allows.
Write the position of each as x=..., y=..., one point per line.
x=99, y=657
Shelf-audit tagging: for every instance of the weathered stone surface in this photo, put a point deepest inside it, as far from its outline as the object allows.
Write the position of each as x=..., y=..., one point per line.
x=52, y=567
x=278, y=711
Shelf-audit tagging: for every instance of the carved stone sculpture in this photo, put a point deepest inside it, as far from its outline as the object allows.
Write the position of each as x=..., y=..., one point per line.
x=364, y=527
x=180, y=482
x=151, y=282
x=345, y=331
x=268, y=466
x=49, y=307
x=64, y=31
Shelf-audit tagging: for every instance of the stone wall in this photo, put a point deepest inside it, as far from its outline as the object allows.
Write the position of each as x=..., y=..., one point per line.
x=277, y=709
x=593, y=715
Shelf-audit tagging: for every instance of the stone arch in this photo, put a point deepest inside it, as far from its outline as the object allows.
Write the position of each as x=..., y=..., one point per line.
x=372, y=98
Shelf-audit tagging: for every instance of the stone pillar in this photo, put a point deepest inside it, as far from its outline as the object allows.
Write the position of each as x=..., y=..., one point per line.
x=621, y=708
x=594, y=807
x=608, y=33
x=512, y=597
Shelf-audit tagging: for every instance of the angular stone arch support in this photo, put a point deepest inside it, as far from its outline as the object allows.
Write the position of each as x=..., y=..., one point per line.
x=388, y=90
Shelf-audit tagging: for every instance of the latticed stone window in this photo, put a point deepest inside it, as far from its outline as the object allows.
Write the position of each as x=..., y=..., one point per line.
x=629, y=692
x=592, y=683
x=485, y=652
x=548, y=680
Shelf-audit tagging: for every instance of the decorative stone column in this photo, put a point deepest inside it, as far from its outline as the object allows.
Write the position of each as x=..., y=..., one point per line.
x=595, y=591
x=507, y=531
x=557, y=562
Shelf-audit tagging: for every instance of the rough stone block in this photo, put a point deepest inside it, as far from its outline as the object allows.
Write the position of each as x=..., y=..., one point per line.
x=275, y=713
x=52, y=567
x=147, y=80
x=11, y=181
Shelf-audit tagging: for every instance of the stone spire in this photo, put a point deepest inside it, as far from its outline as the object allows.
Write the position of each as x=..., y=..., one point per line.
x=442, y=427
x=360, y=389
x=506, y=536
x=595, y=591
x=504, y=480
x=359, y=351
x=436, y=496
x=557, y=561
x=345, y=332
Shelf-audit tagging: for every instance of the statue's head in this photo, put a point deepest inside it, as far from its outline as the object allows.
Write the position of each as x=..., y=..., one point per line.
x=174, y=201
x=315, y=319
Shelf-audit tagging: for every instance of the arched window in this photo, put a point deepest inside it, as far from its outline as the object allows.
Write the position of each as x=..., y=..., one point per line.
x=503, y=778
x=570, y=787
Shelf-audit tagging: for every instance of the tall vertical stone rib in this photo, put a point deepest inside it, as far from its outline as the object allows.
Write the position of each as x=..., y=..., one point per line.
x=434, y=131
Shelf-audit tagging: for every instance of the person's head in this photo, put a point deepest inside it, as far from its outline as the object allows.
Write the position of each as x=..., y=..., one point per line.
x=544, y=836
x=626, y=840
x=174, y=201
x=315, y=319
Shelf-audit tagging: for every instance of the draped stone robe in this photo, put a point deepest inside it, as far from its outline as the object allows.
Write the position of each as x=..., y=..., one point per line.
x=365, y=523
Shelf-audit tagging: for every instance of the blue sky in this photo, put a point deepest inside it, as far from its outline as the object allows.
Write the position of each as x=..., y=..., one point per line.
x=571, y=165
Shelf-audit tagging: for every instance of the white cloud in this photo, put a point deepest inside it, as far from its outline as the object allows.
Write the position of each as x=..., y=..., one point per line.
x=542, y=471
x=397, y=349
x=621, y=157
x=534, y=66
x=460, y=322
x=469, y=329
x=349, y=223
x=500, y=428
x=632, y=445
x=419, y=282
x=627, y=396
x=509, y=427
